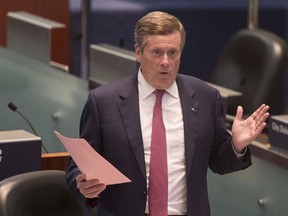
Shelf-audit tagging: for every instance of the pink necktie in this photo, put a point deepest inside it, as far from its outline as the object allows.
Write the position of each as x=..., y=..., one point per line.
x=158, y=177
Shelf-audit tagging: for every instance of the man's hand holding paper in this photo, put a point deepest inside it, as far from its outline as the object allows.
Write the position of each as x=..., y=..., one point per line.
x=91, y=163
x=91, y=188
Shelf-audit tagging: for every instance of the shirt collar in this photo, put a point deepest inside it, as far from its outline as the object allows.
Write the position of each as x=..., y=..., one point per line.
x=145, y=89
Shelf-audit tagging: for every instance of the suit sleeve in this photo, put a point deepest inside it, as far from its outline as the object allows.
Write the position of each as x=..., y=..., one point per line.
x=89, y=130
x=223, y=159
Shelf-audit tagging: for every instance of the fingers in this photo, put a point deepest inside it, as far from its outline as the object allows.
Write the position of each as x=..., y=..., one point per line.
x=259, y=128
x=91, y=188
x=259, y=117
x=260, y=113
x=80, y=177
x=93, y=191
x=239, y=112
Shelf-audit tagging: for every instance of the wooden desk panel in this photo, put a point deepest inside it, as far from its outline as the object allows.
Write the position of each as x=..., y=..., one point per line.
x=54, y=161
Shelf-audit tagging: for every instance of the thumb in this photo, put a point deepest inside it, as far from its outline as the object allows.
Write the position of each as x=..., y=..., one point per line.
x=239, y=112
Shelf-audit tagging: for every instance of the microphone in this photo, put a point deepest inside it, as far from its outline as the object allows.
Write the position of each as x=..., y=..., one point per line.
x=14, y=108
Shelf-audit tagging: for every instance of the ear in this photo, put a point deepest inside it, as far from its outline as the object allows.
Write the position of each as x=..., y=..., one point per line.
x=137, y=53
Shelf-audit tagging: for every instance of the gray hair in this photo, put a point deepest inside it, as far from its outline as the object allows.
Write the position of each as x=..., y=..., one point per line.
x=157, y=23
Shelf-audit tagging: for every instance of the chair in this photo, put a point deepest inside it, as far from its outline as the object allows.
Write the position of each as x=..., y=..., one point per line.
x=253, y=62
x=40, y=193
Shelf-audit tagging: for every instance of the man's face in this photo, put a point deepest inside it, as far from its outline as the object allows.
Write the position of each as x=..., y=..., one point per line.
x=160, y=59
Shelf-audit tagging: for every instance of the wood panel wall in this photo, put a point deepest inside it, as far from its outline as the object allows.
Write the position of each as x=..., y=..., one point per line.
x=57, y=10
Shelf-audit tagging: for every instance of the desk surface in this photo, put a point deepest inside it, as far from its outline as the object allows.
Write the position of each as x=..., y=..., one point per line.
x=40, y=92
x=272, y=154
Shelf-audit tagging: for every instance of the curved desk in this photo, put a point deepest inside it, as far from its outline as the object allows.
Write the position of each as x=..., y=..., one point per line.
x=50, y=99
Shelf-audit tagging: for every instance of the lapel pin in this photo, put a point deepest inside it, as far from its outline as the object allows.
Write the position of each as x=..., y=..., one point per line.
x=194, y=109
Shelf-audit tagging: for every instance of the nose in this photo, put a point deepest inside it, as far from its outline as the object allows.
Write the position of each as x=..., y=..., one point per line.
x=165, y=61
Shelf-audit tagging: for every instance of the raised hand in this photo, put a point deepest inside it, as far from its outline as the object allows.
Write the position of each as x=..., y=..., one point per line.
x=244, y=131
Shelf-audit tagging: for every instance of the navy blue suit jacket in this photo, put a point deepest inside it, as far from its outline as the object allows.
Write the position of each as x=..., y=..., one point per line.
x=110, y=122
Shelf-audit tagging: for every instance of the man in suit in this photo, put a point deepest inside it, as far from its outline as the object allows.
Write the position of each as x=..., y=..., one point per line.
x=117, y=122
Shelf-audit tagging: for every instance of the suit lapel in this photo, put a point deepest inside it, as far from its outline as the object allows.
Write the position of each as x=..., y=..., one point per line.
x=129, y=111
x=190, y=118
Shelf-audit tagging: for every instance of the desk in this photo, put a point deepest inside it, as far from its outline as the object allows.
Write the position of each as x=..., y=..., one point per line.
x=50, y=99
x=259, y=190
x=54, y=161
x=274, y=155
x=51, y=9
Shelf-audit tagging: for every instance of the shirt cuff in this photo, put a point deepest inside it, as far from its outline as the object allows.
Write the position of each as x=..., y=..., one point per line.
x=236, y=153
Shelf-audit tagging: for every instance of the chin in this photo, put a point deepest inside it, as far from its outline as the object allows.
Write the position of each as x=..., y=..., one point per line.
x=164, y=86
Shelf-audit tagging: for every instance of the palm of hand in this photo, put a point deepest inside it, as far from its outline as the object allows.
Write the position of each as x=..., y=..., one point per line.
x=244, y=131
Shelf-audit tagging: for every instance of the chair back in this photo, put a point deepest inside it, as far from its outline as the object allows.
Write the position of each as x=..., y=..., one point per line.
x=39, y=193
x=253, y=62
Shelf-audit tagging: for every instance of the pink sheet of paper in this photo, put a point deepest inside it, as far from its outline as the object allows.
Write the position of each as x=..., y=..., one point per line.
x=90, y=162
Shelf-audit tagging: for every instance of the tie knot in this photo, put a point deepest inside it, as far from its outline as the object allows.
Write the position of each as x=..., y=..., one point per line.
x=159, y=94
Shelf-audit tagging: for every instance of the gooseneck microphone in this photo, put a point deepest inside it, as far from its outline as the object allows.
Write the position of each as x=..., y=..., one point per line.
x=14, y=108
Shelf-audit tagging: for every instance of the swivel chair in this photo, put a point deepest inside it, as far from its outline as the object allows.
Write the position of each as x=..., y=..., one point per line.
x=40, y=193
x=253, y=62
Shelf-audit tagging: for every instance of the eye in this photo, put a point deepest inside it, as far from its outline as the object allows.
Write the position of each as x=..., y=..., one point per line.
x=157, y=52
x=173, y=53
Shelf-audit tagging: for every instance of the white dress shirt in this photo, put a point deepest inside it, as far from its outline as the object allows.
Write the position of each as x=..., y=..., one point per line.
x=173, y=121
